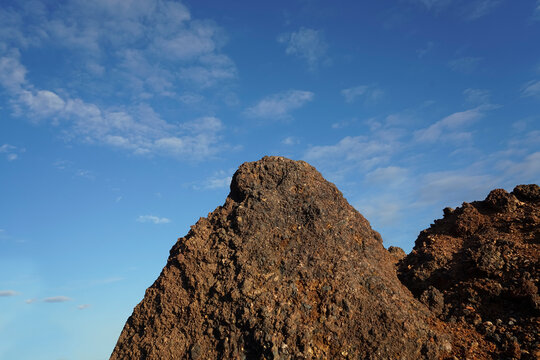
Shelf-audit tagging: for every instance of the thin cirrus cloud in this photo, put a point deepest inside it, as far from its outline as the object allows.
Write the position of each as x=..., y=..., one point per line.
x=465, y=64
x=8, y=293
x=56, y=299
x=451, y=127
x=532, y=88
x=368, y=93
x=279, y=106
x=10, y=151
x=153, y=219
x=468, y=10
x=477, y=9
x=307, y=44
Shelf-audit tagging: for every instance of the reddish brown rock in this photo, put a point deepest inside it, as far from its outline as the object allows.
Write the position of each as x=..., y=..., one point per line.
x=285, y=269
x=478, y=269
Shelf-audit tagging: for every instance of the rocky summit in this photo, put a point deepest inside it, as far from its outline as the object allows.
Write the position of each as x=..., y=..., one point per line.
x=285, y=269
x=478, y=268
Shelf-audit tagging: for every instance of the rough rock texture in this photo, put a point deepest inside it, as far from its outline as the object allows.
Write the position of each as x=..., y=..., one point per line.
x=285, y=269
x=478, y=268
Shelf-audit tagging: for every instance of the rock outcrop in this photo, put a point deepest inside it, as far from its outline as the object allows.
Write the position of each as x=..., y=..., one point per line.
x=285, y=269
x=478, y=269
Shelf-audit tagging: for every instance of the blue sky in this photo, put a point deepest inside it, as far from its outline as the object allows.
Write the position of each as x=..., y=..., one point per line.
x=122, y=121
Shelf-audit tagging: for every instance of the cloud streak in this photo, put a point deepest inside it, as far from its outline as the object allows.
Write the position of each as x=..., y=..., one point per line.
x=279, y=106
x=450, y=127
x=153, y=219
x=8, y=293
x=369, y=93
x=56, y=299
x=532, y=88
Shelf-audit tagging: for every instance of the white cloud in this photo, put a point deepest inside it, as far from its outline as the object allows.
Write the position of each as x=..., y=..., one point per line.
x=290, y=140
x=528, y=169
x=8, y=293
x=56, y=299
x=42, y=103
x=370, y=93
x=305, y=43
x=476, y=96
x=532, y=88
x=218, y=183
x=424, y=51
x=433, y=4
x=12, y=73
x=470, y=10
x=83, y=306
x=476, y=9
x=152, y=219
x=279, y=106
x=454, y=187
x=10, y=151
x=6, y=148
x=31, y=301
x=389, y=176
x=537, y=10
x=358, y=148
x=449, y=127
x=466, y=64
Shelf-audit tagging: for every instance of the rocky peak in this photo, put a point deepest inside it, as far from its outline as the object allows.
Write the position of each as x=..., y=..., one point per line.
x=285, y=269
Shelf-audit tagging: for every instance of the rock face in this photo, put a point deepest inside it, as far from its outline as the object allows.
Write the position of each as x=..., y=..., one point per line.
x=478, y=268
x=285, y=269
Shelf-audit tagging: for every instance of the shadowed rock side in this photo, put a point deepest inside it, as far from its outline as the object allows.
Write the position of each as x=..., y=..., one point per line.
x=285, y=269
x=478, y=268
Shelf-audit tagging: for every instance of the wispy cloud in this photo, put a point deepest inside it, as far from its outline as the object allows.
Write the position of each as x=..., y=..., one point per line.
x=56, y=299
x=8, y=293
x=219, y=180
x=451, y=127
x=433, y=4
x=279, y=106
x=389, y=176
x=465, y=64
x=425, y=50
x=476, y=96
x=83, y=306
x=11, y=152
x=532, y=88
x=290, y=140
x=358, y=150
x=536, y=13
x=476, y=9
x=469, y=10
x=308, y=44
x=153, y=219
x=369, y=93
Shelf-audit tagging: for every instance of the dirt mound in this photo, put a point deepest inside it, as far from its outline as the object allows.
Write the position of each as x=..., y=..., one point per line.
x=478, y=268
x=285, y=269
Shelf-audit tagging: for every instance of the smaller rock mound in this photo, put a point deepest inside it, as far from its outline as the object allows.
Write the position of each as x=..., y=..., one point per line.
x=478, y=267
